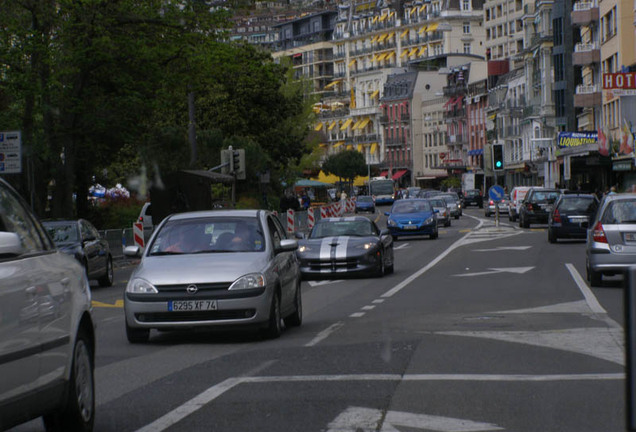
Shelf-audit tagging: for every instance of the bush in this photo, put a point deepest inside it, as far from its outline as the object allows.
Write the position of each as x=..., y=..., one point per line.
x=115, y=214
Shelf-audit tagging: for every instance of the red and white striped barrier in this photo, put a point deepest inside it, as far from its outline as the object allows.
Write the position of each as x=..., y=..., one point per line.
x=310, y=218
x=324, y=212
x=290, y=221
x=138, y=234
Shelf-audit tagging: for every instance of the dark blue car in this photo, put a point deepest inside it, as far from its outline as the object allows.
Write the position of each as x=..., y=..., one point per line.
x=365, y=203
x=411, y=217
x=571, y=216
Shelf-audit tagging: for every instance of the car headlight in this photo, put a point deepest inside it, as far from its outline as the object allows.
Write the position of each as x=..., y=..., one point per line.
x=141, y=286
x=429, y=221
x=304, y=248
x=366, y=246
x=252, y=280
x=391, y=222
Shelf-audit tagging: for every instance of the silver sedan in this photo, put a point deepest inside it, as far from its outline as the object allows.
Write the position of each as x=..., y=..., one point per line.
x=212, y=269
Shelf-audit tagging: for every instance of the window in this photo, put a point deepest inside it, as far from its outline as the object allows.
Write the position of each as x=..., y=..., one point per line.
x=16, y=219
x=466, y=47
x=465, y=5
x=466, y=28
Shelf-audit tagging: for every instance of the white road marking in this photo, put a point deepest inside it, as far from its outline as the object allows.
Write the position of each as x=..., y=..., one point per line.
x=324, y=334
x=357, y=315
x=368, y=308
x=218, y=390
x=401, y=246
x=378, y=301
x=576, y=307
x=325, y=282
x=500, y=248
x=517, y=270
x=591, y=300
x=358, y=419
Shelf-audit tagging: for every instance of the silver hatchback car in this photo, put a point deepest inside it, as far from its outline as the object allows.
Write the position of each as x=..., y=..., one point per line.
x=215, y=268
x=47, y=336
x=611, y=241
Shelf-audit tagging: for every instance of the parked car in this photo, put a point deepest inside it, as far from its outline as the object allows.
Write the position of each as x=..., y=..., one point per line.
x=453, y=203
x=145, y=218
x=214, y=269
x=365, y=203
x=517, y=195
x=47, y=337
x=413, y=191
x=80, y=239
x=443, y=213
x=504, y=205
x=611, y=241
x=537, y=206
x=571, y=216
x=345, y=246
x=411, y=217
x=473, y=197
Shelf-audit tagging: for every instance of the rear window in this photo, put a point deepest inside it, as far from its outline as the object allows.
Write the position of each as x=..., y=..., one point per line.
x=620, y=212
x=542, y=196
x=578, y=204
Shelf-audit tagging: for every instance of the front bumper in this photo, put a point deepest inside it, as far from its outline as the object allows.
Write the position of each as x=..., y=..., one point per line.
x=316, y=268
x=401, y=231
x=601, y=259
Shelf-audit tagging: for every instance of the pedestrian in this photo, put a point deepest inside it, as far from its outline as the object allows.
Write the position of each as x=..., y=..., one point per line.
x=343, y=196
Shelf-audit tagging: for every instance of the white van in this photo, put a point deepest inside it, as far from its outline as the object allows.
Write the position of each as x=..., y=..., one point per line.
x=516, y=196
x=145, y=217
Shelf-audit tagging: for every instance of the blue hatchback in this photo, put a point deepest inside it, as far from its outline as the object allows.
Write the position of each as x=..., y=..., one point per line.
x=365, y=203
x=409, y=217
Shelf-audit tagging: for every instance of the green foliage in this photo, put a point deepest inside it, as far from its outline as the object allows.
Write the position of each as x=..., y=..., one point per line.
x=347, y=164
x=451, y=182
x=115, y=214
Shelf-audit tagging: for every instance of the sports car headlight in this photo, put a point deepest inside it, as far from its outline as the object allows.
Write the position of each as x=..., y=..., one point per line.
x=252, y=280
x=141, y=286
x=391, y=222
x=304, y=248
x=429, y=221
x=366, y=246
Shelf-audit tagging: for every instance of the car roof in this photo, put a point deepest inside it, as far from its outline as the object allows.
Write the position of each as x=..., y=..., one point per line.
x=215, y=213
x=345, y=219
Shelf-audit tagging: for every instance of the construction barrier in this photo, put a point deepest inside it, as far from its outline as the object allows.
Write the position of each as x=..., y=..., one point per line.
x=290, y=221
x=138, y=234
x=310, y=218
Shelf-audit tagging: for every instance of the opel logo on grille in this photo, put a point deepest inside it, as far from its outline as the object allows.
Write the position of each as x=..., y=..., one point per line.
x=192, y=289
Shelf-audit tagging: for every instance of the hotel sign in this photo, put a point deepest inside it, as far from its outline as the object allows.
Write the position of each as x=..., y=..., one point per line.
x=621, y=84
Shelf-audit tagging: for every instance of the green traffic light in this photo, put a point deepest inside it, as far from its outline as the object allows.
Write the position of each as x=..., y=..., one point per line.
x=498, y=164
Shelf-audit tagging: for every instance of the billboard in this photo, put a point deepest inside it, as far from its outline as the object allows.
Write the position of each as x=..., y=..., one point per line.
x=575, y=139
x=10, y=152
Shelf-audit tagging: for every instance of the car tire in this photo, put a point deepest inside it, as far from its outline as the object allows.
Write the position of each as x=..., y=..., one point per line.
x=395, y=238
x=107, y=279
x=137, y=335
x=390, y=268
x=594, y=278
x=434, y=235
x=456, y=217
x=78, y=414
x=381, y=269
x=296, y=318
x=524, y=223
x=552, y=238
x=274, y=327
x=448, y=223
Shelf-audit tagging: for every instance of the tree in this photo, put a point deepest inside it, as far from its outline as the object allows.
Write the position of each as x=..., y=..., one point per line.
x=347, y=164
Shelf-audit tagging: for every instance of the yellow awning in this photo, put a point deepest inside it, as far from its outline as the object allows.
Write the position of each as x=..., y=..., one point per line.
x=375, y=18
x=413, y=51
x=404, y=53
x=360, y=148
x=374, y=38
x=338, y=144
x=349, y=146
x=381, y=56
x=383, y=17
x=374, y=94
x=332, y=83
x=375, y=57
x=319, y=126
x=412, y=10
x=346, y=124
x=333, y=125
x=391, y=54
x=432, y=27
x=384, y=36
x=364, y=122
x=323, y=144
x=423, y=50
x=332, y=178
x=356, y=124
x=352, y=62
x=422, y=7
x=404, y=33
x=374, y=148
x=422, y=30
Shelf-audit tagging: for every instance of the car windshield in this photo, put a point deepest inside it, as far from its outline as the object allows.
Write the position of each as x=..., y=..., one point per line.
x=342, y=228
x=578, y=204
x=620, y=212
x=449, y=199
x=411, y=207
x=437, y=203
x=208, y=235
x=63, y=233
x=365, y=199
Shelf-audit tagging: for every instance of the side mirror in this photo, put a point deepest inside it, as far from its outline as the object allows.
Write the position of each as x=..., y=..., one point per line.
x=287, y=245
x=10, y=244
x=132, y=251
x=299, y=235
x=384, y=232
x=387, y=213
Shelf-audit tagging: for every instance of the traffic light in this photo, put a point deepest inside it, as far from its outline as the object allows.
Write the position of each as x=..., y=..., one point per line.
x=238, y=163
x=497, y=157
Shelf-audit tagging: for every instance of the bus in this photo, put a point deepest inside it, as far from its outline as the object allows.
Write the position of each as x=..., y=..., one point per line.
x=383, y=190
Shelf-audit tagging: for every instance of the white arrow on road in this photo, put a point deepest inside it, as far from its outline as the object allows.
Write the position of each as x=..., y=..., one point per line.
x=356, y=419
x=518, y=270
x=500, y=248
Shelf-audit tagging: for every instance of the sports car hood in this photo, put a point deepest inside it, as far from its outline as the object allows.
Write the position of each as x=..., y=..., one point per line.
x=198, y=268
x=340, y=246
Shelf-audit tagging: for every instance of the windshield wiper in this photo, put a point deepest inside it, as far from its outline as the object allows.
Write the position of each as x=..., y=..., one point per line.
x=167, y=253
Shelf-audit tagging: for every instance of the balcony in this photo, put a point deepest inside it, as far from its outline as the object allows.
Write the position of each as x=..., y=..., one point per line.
x=588, y=96
x=455, y=91
x=395, y=142
x=586, y=54
x=455, y=113
x=584, y=13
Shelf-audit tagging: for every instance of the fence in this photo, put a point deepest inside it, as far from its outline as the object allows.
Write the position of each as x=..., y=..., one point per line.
x=118, y=239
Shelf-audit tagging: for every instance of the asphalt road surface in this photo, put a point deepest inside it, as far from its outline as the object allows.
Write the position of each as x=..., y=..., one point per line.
x=483, y=329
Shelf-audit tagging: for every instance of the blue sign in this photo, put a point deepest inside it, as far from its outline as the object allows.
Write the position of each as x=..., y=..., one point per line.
x=496, y=193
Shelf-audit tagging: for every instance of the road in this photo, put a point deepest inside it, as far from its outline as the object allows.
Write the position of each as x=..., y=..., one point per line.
x=483, y=329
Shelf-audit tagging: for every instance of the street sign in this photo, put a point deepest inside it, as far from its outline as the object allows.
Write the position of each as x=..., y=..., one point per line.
x=10, y=152
x=496, y=193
